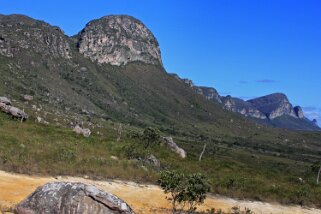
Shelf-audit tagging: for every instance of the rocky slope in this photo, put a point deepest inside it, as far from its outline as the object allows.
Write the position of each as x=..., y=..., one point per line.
x=118, y=40
x=20, y=34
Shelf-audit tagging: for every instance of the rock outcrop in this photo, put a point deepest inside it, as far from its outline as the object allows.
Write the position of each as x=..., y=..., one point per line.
x=20, y=33
x=84, y=131
x=242, y=107
x=173, y=146
x=209, y=93
x=5, y=100
x=5, y=106
x=118, y=40
x=152, y=160
x=27, y=97
x=71, y=198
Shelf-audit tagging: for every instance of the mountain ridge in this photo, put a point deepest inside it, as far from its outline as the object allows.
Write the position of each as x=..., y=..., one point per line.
x=113, y=38
x=263, y=109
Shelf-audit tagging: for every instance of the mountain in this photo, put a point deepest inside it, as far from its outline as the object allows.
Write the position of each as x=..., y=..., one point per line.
x=69, y=87
x=118, y=91
x=113, y=69
x=274, y=109
x=118, y=40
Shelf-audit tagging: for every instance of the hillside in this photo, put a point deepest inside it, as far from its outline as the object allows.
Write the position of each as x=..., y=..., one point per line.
x=71, y=84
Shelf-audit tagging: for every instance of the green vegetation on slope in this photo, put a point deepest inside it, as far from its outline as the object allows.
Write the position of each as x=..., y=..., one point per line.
x=232, y=170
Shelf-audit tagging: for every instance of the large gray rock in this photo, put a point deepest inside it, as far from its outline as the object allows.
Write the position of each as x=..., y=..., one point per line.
x=84, y=131
x=173, y=146
x=13, y=111
x=118, y=40
x=71, y=198
x=5, y=100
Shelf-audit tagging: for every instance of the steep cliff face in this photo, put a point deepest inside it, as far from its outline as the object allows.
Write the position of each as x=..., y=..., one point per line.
x=118, y=40
x=274, y=105
x=242, y=107
x=209, y=93
x=20, y=33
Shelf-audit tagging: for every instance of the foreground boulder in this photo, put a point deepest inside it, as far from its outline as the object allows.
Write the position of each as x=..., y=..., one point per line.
x=173, y=146
x=71, y=198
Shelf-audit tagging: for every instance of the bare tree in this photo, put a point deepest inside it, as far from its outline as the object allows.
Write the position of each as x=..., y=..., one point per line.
x=202, y=153
x=318, y=177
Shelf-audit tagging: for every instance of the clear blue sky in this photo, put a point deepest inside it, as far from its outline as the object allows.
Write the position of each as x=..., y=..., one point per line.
x=246, y=48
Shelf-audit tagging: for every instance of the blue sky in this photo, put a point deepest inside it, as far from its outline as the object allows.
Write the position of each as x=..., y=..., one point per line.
x=246, y=48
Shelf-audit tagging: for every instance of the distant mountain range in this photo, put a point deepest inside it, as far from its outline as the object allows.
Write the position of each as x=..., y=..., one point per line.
x=273, y=109
x=113, y=69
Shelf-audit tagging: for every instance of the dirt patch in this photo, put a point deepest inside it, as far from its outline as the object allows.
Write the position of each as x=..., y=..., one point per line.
x=147, y=199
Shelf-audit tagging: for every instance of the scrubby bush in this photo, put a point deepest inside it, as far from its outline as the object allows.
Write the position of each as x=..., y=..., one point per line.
x=184, y=190
x=151, y=136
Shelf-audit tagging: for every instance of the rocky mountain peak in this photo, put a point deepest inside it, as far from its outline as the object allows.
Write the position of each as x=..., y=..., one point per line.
x=118, y=40
x=20, y=34
x=273, y=105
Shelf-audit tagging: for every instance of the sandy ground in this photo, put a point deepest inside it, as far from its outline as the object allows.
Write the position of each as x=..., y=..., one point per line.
x=144, y=199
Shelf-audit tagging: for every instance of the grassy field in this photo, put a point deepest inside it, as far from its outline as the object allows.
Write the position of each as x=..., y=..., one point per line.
x=232, y=169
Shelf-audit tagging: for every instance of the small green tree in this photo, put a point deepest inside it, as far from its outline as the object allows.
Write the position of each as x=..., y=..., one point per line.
x=195, y=190
x=172, y=183
x=151, y=136
x=191, y=189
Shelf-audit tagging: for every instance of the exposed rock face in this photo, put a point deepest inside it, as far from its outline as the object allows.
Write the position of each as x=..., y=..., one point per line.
x=20, y=33
x=173, y=146
x=298, y=112
x=209, y=93
x=118, y=40
x=242, y=107
x=71, y=198
x=273, y=105
x=83, y=131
